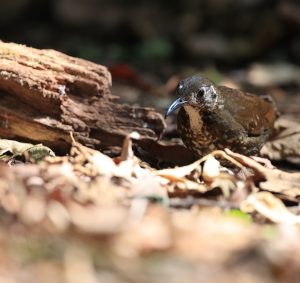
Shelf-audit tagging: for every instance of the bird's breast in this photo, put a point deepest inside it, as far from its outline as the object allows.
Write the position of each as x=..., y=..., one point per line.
x=193, y=130
x=194, y=118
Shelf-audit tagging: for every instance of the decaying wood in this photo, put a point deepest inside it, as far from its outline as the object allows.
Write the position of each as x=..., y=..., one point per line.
x=45, y=95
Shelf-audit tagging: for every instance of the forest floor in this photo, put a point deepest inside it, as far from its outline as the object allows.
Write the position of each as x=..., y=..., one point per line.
x=91, y=217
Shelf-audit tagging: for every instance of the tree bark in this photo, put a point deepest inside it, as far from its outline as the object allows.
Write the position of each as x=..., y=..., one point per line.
x=45, y=95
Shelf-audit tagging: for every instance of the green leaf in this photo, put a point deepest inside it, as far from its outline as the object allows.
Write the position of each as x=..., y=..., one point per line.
x=236, y=213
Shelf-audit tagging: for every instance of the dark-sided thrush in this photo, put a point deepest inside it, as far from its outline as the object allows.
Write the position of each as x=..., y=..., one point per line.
x=216, y=117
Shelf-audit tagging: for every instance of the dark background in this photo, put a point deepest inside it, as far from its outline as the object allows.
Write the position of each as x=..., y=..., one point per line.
x=145, y=43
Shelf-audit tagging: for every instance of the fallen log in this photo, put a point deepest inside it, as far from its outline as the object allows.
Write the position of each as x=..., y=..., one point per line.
x=45, y=95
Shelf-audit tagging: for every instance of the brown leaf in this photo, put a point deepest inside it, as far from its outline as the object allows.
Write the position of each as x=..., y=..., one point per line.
x=208, y=235
x=211, y=169
x=31, y=152
x=285, y=145
x=33, y=209
x=97, y=220
x=10, y=203
x=273, y=74
x=151, y=233
x=58, y=215
x=270, y=207
x=273, y=180
x=177, y=173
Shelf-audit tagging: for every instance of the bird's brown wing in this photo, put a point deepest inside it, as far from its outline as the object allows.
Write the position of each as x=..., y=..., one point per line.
x=254, y=113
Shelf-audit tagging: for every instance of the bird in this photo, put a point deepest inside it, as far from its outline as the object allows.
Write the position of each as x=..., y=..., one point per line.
x=213, y=117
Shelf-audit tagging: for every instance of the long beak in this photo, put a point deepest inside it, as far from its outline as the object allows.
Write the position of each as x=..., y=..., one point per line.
x=175, y=105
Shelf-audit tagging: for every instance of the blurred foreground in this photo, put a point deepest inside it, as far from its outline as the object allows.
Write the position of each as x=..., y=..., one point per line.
x=89, y=218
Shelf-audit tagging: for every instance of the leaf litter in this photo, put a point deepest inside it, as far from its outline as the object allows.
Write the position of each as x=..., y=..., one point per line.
x=210, y=213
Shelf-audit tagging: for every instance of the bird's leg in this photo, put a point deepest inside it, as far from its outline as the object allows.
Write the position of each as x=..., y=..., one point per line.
x=252, y=144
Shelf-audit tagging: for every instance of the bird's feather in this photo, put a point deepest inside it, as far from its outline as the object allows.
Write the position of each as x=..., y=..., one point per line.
x=254, y=115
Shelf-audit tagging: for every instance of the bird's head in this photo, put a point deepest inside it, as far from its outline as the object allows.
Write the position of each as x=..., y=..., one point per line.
x=195, y=91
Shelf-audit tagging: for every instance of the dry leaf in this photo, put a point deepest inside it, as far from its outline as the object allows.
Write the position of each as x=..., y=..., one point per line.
x=273, y=180
x=31, y=152
x=10, y=203
x=151, y=233
x=33, y=209
x=285, y=145
x=177, y=173
x=209, y=235
x=58, y=215
x=273, y=74
x=225, y=182
x=270, y=207
x=79, y=266
x=97, y=220
x=211, y=169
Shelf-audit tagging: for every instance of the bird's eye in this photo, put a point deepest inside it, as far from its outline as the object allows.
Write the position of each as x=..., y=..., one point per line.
x=201, y=92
